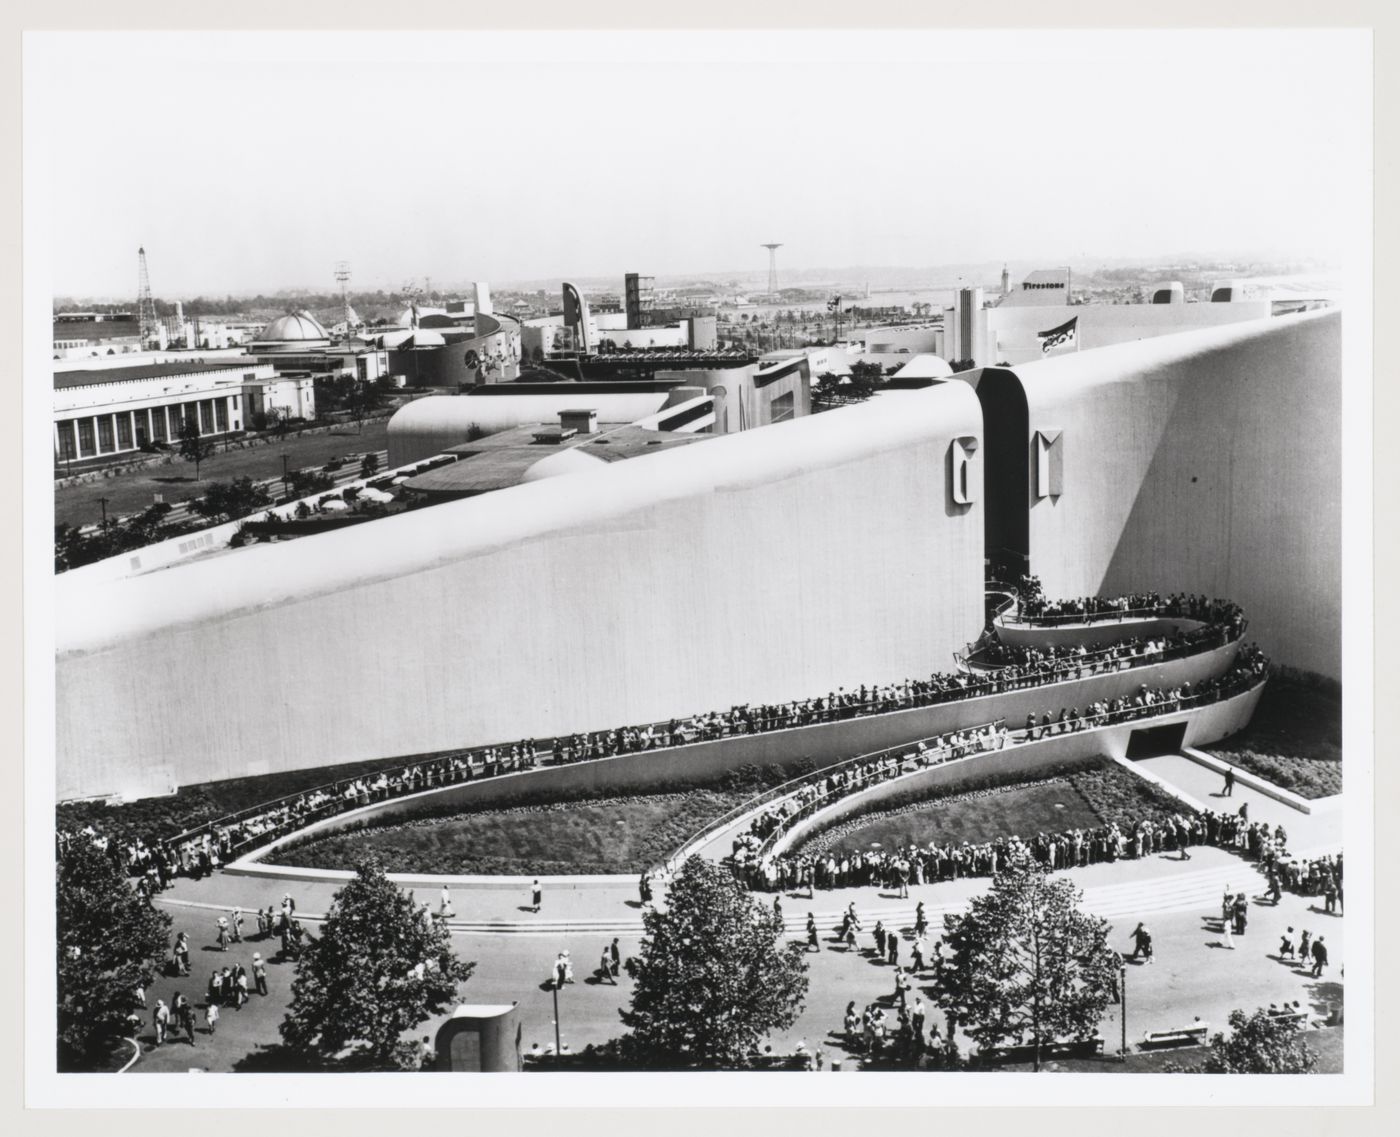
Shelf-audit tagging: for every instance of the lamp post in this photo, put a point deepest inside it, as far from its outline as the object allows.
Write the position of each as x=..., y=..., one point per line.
x=558, y=1046
x=1123, y=1008
x=102, y=501
x=285, y=491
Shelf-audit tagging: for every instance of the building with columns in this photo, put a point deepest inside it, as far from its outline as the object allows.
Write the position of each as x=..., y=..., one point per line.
x=111, y=410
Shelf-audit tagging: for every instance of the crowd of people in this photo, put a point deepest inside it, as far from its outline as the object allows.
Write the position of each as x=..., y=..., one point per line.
x=809, y=871
x=1034, y=608
x=155, y=862
x=901, y=868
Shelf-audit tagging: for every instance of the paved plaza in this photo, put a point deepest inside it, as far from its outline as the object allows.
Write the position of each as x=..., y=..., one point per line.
x=1193, y=974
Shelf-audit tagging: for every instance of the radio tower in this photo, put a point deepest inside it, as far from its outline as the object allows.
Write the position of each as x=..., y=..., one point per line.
x=145, y=305
x=772, y=268
x=342, y=274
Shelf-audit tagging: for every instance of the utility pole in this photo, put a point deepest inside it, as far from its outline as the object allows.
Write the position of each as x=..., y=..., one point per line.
x=102, y=501
x=286, y=492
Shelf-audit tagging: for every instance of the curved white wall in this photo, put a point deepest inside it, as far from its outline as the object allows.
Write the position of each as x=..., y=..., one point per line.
x=1206, y=462
x=767, y=565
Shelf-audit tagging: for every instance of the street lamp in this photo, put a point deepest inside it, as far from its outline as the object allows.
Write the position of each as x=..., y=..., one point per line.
x=558, y=1047
x=102, y=501
x=1123, y=1007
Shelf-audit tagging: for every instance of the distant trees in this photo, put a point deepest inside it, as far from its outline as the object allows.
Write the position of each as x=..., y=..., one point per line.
x=303, y=483
x=74, y=548
x=713, y=975
x=1023, y=964
x=229, y=501
x=193, y=447
x=381, y=967
x=864, y=380
x=110, y=941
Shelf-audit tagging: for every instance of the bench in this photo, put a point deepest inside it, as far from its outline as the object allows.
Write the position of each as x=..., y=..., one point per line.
x=1183, y=1036
x=1297, y=1018
x=1021, y=1052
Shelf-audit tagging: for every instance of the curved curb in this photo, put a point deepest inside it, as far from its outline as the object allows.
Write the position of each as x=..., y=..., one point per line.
x=135, y=1058
x=1160, y=895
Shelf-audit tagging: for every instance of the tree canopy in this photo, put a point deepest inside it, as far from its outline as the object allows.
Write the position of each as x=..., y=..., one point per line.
x=1259, y=1044
x=232, y=500
x=194, y=447
x=110, y=941
x=713, y=975
x=1023, y=964
x=378, y=970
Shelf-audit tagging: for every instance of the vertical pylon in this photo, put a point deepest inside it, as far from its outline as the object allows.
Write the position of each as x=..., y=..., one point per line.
x=145, y=304
x=772, y=268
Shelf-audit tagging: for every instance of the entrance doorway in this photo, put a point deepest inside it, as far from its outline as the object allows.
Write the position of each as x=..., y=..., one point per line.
x=1154, y=741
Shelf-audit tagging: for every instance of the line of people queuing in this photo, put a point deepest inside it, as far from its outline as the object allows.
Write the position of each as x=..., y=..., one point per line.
x=821, y=865
x=155, y=863
x=1034, y=608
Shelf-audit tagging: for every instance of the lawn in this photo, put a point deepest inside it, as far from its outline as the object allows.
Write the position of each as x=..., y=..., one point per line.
x=606, y=835
x=1027, y=810
x=1094, y=795
x=131, y=492
x=1295, y=737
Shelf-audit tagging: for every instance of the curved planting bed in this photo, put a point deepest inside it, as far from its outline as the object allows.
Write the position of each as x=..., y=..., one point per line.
x=593, y=836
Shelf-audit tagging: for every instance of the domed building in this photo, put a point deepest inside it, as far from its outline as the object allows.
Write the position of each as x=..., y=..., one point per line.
x=294, y=332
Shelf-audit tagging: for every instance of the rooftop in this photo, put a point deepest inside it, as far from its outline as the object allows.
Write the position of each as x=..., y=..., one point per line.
x=502, y=459
x=92, y=377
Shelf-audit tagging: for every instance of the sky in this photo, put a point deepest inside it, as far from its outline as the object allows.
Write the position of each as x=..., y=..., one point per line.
x=246, y=162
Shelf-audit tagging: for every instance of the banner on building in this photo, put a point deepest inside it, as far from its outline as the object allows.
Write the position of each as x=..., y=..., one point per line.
x=1066, y=335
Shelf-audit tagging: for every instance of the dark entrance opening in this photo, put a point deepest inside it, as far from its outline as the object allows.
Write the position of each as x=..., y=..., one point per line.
x=1154, y=741
x=1006, y=473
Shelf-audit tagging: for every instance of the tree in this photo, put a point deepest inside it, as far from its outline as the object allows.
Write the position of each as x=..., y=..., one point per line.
x=369, y=465
x=110, y=941
x=1025, y=961
x=713, y=976
x=232, y=500
x=360, y=987
x=194, y=447
x=303, y=483
x=866, y=379
x=1259, y=1044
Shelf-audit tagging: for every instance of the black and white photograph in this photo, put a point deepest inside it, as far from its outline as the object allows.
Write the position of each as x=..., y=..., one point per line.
x=628, y=557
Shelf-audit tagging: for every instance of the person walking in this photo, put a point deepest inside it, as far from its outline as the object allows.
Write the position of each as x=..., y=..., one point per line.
x=182, y=954
x=259, y=974
x=1142, y=942
x=236, y=925
x=187, y=1017
x=536, y=896
x=615, y=958
x=1319, y=956
x=211, y=1018
x=240, y=987
x=445, y=904
x=1229, y=781
x=222, y=936
x=1305, y=947
x=160, y=1019
x=813, y=943
x=605, y=971
x=1228, y=933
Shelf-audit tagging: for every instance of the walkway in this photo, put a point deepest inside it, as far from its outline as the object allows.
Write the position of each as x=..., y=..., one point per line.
x=1306, y=831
